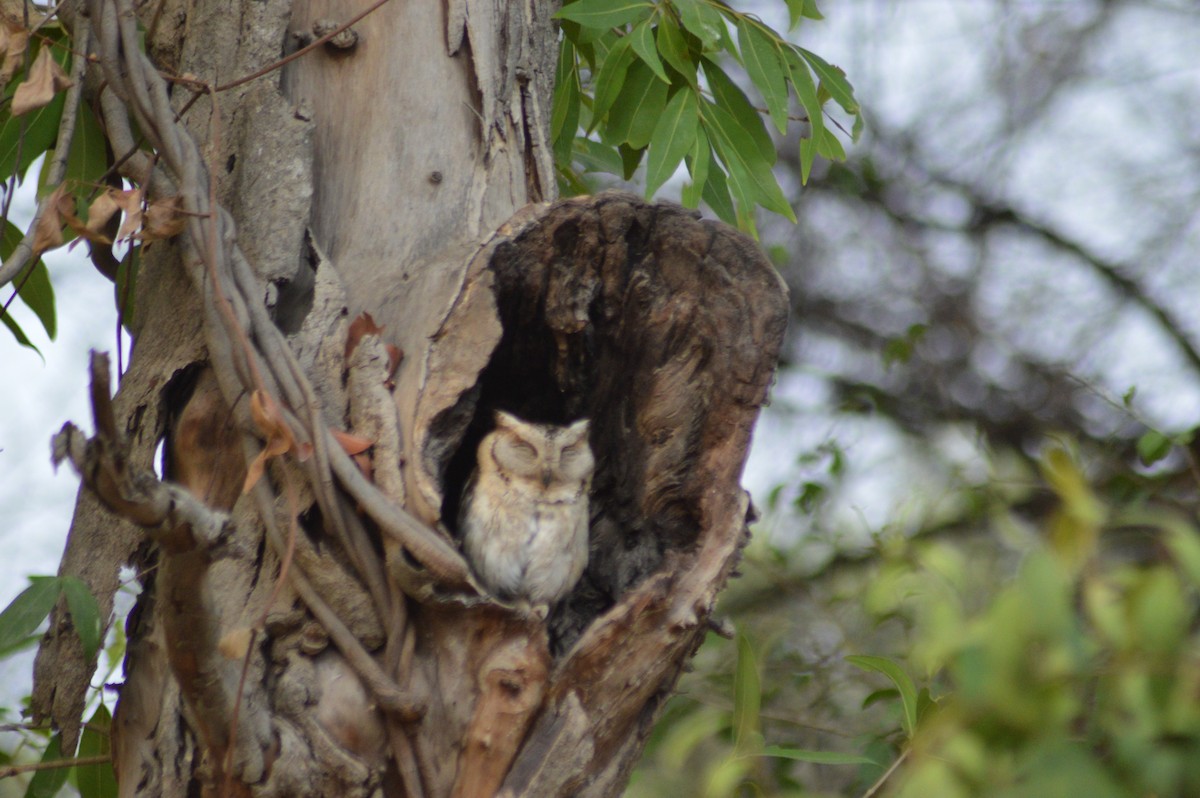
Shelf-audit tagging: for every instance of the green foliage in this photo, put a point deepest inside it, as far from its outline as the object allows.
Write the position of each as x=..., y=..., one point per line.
x=1075, y=674
x=18, y=626
x=645, y=81
x=25, y=614
x=32, y=287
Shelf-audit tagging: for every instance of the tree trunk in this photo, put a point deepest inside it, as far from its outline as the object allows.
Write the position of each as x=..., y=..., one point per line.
x=326, y=637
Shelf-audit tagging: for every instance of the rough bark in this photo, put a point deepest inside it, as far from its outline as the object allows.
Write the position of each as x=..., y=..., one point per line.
x=417, y=159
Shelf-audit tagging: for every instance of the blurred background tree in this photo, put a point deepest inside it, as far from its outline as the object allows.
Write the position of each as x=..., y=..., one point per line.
x=993, y=363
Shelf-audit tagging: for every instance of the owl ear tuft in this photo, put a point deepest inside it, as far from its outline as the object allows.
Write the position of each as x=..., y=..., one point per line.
x=506, y=420
x=577, y=430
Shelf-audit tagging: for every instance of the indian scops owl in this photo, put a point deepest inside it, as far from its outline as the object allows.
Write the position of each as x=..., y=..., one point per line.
x=524, y=517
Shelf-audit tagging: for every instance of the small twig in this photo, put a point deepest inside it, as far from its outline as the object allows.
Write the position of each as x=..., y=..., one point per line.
x=878, y=785
x=83, y=761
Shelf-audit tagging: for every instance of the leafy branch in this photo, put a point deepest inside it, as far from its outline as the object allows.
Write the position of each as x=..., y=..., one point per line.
x=645, y=81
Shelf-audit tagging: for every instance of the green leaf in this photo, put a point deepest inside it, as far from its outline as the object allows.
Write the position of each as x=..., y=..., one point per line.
x=48, y=783
x=702, y=21
x=733, y=100
x=672, y=139
x=747, y=696
x=630, y=158
x=564, y=120
x=96, y=781
x=605, y=13
x=760, y=54
x=673, y=46
x=641, y=38
x=634, y=115
x=817, y=757
x=85, y=614
x=806, y=91
x=37, y=293
x=88, y=158
x=808, y=155
x=697, y=163
x=25, y=138
x=611, y=79
x=1153, y=446
x=27, y=611
x=596, y=157
x=125, y=289
x=751, y=177
x=715, y=194
x=908, y=690
x=833, y=80
x=21, y=338
x=828, y=146
x=811, y=11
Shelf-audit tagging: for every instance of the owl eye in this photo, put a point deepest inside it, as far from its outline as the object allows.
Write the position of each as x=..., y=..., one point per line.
x=524, y=449
x=570, y=453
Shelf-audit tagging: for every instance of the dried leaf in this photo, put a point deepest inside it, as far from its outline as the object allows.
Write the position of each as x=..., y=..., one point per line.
x=59, y=209
x=101, y=211
x=163, y=219
x=14, y=39
x=395, y=355
x=131, y=203
x=363, y=325
x=279, y=438
x=352, y=444
x=46, y=78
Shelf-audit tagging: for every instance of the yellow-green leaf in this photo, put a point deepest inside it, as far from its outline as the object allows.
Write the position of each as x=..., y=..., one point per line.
x=908, y=690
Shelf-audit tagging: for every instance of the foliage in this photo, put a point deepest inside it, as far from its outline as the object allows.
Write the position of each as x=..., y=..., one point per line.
x=1075, y=675
x=646, y=81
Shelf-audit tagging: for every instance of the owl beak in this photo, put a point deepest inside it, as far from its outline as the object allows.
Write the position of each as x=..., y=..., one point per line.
x=547, y=477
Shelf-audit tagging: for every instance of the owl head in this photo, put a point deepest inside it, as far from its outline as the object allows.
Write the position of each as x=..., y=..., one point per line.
x=552, y=461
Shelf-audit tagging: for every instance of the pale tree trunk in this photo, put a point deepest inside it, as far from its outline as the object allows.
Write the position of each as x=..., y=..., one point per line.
x=404, y=173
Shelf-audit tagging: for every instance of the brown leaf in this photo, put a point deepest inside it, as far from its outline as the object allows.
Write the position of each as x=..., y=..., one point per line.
x=395, y=355
x=364, y=324
x=131, y=203
x=14, y=39
x=279, y=438
x=101, y=211
x=58, y=210
x=352, y=444
x=46, y=78
x=162, y=220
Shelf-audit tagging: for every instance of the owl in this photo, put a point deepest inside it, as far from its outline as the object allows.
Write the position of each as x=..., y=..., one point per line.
x=524, y=516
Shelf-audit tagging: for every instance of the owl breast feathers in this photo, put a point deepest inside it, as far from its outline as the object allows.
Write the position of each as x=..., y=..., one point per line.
x=524, y=517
